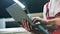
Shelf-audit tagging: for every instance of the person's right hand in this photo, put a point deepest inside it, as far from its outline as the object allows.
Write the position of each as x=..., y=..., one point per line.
x=26, y=25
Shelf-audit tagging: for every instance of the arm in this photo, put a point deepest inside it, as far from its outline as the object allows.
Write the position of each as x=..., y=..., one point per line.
x=54, y=21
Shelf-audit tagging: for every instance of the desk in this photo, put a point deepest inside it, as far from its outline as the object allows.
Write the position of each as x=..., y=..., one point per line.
x=18, y=30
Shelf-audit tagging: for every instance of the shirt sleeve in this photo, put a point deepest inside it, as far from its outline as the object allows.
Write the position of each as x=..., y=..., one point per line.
x=57, y=15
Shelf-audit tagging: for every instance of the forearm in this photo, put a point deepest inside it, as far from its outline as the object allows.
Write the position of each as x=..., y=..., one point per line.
x=54, y=22
x=51, y=21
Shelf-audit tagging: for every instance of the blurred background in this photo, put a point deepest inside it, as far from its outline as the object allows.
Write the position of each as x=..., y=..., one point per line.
x=32, y=6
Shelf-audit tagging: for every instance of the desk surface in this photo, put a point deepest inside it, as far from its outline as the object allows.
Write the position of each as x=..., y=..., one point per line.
x=10, y=30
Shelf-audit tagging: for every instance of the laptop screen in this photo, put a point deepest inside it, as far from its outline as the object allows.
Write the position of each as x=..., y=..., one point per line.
x=18, y=13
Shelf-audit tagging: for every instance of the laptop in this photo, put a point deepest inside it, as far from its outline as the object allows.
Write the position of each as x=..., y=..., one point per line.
x=18, y=13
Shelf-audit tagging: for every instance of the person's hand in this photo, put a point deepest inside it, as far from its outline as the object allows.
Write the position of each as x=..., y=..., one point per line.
x=26, y=25
x=36, y=20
